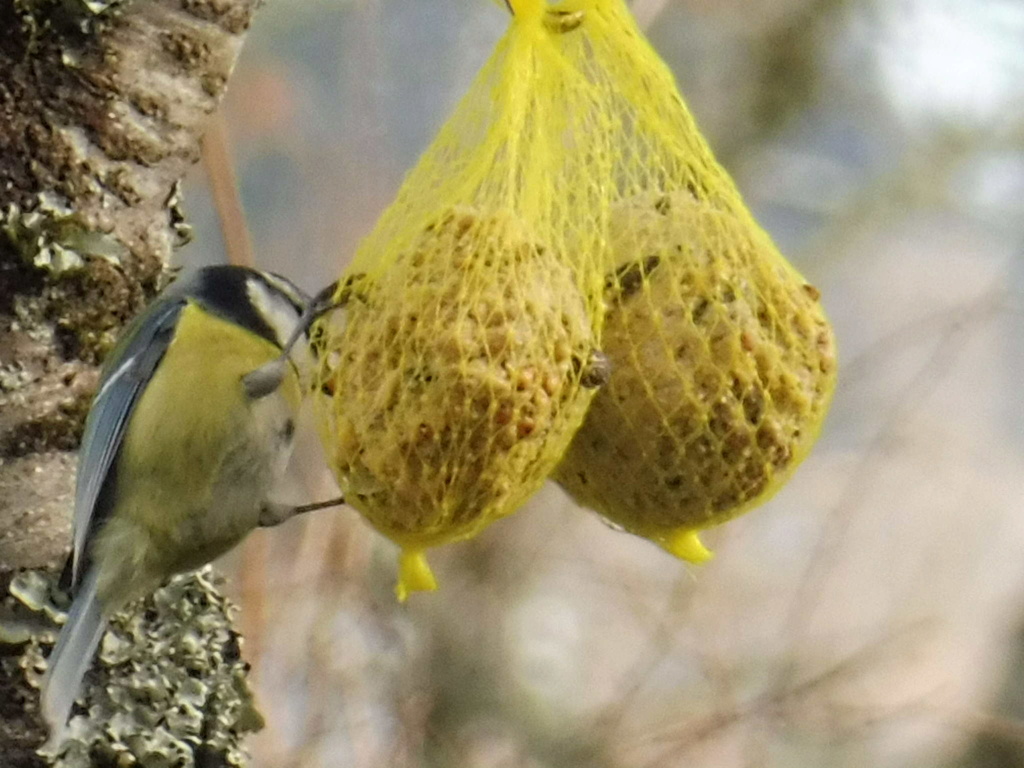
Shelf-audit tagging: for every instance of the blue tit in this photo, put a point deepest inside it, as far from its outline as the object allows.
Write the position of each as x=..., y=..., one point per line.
x=190, y=429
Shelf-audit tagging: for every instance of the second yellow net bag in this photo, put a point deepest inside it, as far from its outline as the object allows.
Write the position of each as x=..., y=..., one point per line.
x=722, y=360
x=568, y=206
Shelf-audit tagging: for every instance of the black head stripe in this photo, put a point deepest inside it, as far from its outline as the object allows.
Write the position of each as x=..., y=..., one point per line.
x=226, y=291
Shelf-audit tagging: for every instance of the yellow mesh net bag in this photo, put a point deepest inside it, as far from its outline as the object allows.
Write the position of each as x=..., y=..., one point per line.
x=569, y=205
x=723, y=366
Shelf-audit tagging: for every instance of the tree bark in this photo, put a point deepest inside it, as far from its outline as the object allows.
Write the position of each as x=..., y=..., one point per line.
x=102, y=106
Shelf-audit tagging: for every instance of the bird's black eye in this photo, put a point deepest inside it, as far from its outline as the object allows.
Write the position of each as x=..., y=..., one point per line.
x=288, y=431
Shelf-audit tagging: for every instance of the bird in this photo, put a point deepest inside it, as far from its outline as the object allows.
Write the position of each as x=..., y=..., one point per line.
x=191, y=427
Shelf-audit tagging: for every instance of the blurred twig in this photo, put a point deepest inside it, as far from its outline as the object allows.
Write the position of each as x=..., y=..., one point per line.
x=606, y=729
x=777, y=704
x=930, y=326
x=806, y=597
x=216, y=153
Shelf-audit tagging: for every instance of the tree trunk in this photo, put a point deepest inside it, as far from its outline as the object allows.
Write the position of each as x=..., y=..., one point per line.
x=102, y=105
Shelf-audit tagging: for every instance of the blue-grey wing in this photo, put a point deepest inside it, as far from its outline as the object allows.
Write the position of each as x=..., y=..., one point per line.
x=125, y=375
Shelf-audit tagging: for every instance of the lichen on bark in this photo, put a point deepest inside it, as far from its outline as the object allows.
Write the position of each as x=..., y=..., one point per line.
x=102, y=106
x=168, y=686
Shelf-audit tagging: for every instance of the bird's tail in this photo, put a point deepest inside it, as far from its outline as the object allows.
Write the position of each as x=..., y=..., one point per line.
x=71, y=658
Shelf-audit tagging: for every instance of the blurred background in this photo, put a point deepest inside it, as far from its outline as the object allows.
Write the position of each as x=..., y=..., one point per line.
x=872, y=614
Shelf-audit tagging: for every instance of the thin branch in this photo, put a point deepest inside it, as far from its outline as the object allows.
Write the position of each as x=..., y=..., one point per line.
x=224, y=188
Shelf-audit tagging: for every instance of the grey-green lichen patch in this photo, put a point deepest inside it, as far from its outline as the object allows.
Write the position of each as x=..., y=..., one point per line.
x=30, y=611
x=64, y=285
x=34, y=590
x=53, y=238
x=168, y=683
x=66, y=290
